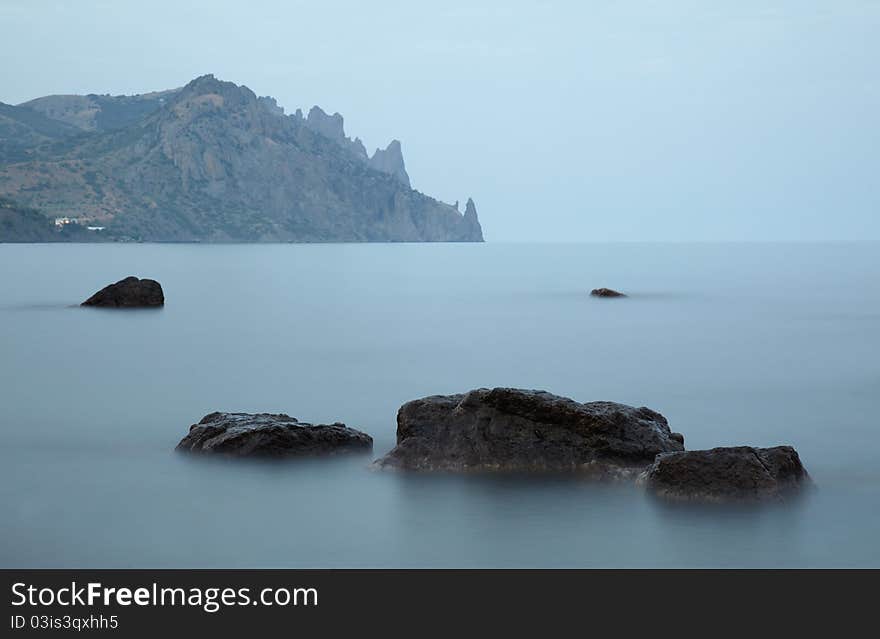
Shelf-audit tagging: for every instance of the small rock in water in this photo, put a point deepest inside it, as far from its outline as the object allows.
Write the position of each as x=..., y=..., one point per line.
x=128, y=293
x=740, y=473
x=268, y=435
x=526, y=430
x=606, y=292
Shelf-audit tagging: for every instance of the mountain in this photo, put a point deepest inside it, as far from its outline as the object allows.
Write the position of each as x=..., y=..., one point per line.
x=22, y=129
x=213, y=162
x=98, y=112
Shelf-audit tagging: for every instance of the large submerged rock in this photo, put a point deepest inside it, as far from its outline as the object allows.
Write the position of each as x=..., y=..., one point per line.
x=527, y=430
x=267, y=435
x=128, y=293
x=740, y=473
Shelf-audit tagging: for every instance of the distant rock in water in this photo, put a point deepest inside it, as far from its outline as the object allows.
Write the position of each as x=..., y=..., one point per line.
x=267, y=435
x=606, y=292
x=740, y=473
x=128, y=293
x=527, y=430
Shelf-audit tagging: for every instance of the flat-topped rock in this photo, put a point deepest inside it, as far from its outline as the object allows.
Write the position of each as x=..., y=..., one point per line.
x=527, y=430
x=606, y=292
x=740, y=473
x=268, y=435
x=128, y=293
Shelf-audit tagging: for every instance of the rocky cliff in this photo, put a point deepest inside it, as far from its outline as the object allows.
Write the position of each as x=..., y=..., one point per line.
x=390, y=161
x=213, y=162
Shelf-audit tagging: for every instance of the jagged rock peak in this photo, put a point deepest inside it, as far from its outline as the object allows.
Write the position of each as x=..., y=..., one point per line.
x=471, y=221
x=209, y=85
x=330, y=126
x=205, y=84
x=470, y=209
x=271, y=105
x=390, y=160
x=360, y=150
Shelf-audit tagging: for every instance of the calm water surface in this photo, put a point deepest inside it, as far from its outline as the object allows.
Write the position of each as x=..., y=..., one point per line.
x=734, y=343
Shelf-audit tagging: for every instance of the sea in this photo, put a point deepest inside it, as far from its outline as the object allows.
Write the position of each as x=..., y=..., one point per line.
x=735, y=343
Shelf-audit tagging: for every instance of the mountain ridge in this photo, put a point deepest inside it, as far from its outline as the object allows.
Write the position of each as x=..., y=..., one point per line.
x=212, y=162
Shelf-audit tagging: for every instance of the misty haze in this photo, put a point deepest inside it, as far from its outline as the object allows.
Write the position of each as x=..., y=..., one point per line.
x=469, y=284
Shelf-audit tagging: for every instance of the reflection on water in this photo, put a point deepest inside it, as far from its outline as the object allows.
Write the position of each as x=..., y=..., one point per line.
x=758, y=344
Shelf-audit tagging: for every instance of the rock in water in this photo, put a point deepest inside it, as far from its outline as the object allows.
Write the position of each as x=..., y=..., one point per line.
x=727, y=474
x=267, y=435
x=606, y=292
x=128, y=293
x=527, y=430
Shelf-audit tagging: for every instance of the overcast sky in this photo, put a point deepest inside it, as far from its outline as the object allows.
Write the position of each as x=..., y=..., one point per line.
x=668, y=120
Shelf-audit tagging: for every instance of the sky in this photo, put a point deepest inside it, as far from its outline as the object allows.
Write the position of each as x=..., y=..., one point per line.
x=565, y=121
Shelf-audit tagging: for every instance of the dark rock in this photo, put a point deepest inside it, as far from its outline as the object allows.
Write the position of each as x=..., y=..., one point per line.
x=727, y=474
x=267, y=435
x=606, y=292
x=129, y=293
x=510, y=429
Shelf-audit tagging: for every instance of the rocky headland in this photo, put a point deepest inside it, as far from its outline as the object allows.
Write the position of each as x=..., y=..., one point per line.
x=209, y=162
